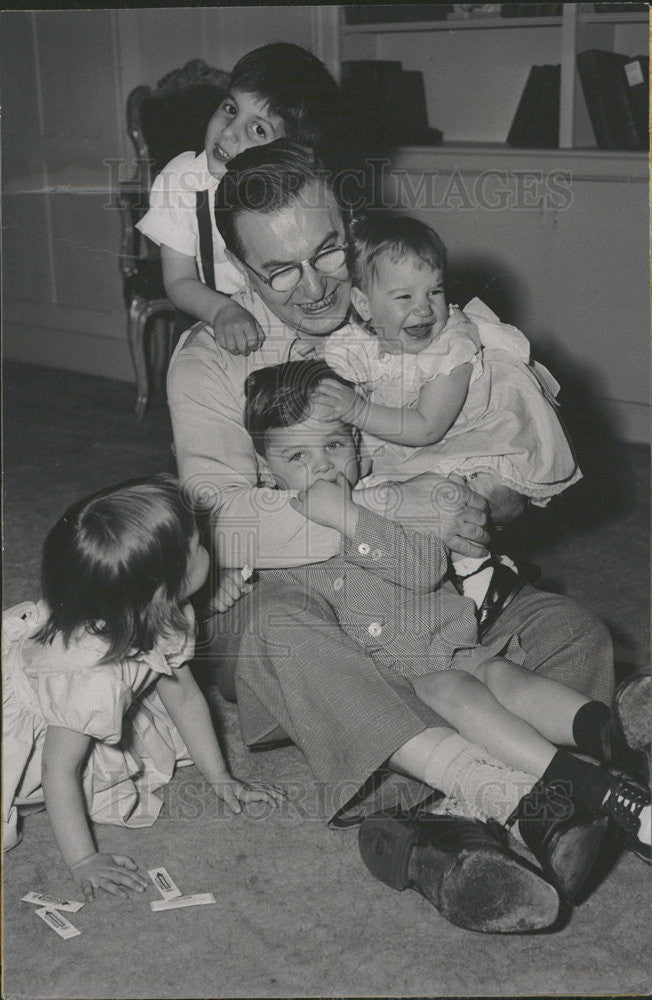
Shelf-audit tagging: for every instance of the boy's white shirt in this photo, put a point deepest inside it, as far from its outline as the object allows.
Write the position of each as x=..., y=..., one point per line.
x=171, y=219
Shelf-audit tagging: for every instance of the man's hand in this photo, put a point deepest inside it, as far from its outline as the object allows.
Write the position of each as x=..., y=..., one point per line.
x=236, y=330
x=443, y=507
x=329, y=504
x=339, y=402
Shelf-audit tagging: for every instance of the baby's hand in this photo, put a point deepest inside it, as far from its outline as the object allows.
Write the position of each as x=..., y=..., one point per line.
x=236, y=330
x=329, y=504
x=115, y=873
x=233, y=584
x=340, y=402
x=457, y=318
x=233, y=792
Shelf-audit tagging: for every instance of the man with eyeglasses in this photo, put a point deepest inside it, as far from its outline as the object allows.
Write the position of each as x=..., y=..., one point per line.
x=295, y=673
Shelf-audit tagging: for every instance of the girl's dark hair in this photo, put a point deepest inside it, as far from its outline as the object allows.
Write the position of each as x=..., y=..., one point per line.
x=115, y=564
x=296, y=87
x=381, y=232
x=279, y=396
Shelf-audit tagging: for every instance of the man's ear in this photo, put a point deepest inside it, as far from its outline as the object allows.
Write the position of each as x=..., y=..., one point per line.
x=360, y=303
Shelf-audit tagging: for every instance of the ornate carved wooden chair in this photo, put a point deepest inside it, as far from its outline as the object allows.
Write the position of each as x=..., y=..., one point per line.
x=162, y=123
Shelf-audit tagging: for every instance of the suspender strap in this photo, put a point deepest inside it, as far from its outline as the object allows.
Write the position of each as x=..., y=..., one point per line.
x=205, y=238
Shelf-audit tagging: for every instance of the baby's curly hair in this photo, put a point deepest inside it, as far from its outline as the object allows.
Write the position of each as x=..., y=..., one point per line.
x=376, y=233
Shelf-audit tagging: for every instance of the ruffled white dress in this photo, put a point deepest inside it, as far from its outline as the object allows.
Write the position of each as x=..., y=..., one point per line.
x=135, y=744
x=508, y=425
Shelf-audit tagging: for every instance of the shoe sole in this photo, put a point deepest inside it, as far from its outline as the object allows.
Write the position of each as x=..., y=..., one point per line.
x=632, y=710
x=572, y=857
x=482, y=889
x=489, y=892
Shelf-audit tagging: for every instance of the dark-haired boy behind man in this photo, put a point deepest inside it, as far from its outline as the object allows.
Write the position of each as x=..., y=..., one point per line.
x=278, y=90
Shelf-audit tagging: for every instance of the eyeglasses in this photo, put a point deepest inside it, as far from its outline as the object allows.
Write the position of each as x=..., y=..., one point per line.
x=284, y=279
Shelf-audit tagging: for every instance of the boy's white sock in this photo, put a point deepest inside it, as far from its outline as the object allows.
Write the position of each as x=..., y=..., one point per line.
x=481, y=786
x=475, y=585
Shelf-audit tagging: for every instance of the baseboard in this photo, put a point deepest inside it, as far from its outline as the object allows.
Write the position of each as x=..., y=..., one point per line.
x=630, y=421
x=619, y=419
x=79, y=352
x=97, y=354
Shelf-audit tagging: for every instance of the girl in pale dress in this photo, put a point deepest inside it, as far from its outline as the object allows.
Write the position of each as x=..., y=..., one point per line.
x=441, y=390
x=99, y=703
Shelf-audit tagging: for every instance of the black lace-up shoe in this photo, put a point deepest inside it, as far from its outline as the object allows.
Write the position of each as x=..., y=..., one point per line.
x=624, y=806
x=463, y=867
x=564, y=836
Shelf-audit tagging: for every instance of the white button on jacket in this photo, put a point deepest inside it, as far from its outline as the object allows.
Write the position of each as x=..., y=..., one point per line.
x=375, y=629
x=363, y=549
x=338, y=583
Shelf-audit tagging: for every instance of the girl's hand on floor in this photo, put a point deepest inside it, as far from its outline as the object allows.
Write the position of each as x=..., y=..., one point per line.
x=233, y=792
x=114, y=873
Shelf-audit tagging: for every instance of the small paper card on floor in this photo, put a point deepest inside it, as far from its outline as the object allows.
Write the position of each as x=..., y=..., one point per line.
x=199, y=899
x=164, y=883
x=52, y=902
x=58, y=923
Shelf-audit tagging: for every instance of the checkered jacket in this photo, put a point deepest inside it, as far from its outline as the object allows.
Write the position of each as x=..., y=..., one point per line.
x=388, y=589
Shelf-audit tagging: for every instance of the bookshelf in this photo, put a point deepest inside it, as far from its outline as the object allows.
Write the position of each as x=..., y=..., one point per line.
x=484, y=61
x=547, y=264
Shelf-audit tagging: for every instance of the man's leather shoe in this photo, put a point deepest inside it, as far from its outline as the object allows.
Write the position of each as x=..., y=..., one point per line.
x=632, y=726
x=463, y=867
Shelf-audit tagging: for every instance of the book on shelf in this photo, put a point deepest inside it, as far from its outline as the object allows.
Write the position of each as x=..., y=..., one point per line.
x=637, y=74
x=536, y=121
x=386, y=13
x=390, y=103
x=621, y=8
x=509, y=9
x=616, y=91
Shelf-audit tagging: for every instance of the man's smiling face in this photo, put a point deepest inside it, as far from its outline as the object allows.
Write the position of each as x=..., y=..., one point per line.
x=310, y=223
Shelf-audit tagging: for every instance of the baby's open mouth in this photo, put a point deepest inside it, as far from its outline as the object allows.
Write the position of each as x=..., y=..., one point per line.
x=419, y=332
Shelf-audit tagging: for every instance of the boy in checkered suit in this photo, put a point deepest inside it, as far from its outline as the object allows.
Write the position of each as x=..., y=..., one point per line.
x=388, y=597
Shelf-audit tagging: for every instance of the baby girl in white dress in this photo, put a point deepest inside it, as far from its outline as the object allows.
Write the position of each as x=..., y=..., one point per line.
x=441, y=390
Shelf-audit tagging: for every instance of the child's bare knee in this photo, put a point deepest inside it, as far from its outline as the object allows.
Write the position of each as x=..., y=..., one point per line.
x=442, y=687
x=494, y=669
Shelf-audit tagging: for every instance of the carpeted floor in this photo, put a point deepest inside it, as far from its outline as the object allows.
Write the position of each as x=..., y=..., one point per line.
x=296, y=912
